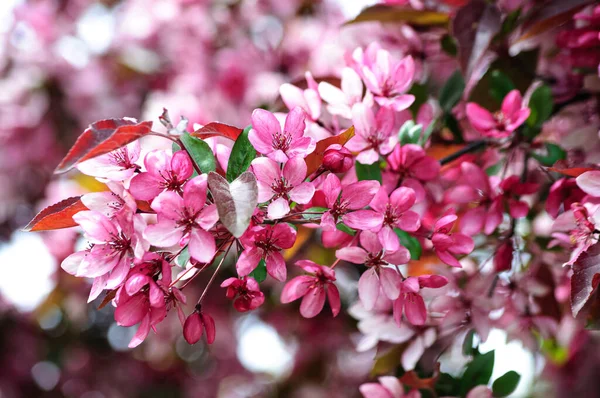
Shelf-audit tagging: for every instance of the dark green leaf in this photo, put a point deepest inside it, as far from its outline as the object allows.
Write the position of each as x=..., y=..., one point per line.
x=500, y=85
x=344, y=228
x=452, y=91
x=200, y=152
x=410, y=242
x=421, y=94
x=506, y=384
x=319, y=210
x=554, y=153
x=467, y=347
x=510, y=22
x=260, y=272
x=368, y=171
x=452, y=124
x=478, y=372
x=541, y=104
x=242, y=154
x=449, y=45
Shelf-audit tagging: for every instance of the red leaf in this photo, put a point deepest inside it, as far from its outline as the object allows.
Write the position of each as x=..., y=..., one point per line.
x=413, y=380
x=102, y=137
x=550, y=15
x=57, y=216
x=586, y=275
x=216, y=129
x=572, y=169
x=474, y=27
x=314, y=160
x=397, y=14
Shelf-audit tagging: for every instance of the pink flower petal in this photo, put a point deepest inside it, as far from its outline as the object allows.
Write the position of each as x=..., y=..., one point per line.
x=589, y=182
x=296, y=288
x=248, y=260
x=302, y=193
x=390, y=281
x=312, y=303
x=209, y=326
x=333, y=295
x=141, y=333
x=368, y=288
x=192, y=328
x=363, y=220
x=414, y=308
x=276, y=266
x=278, y=208
x=294, y=171
x=352, y=254
x=202, y=245
x=360, y=194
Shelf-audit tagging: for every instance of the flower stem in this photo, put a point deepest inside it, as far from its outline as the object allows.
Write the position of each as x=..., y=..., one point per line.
x=212, y=278
x=472, y=147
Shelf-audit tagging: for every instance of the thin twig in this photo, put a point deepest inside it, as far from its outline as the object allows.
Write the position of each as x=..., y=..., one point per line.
x=472, y=147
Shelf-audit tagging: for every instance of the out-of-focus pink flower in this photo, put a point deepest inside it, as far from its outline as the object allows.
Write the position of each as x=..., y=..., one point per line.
x=375, y=134
x=308, y=100
x=388, y=387
x=380, y=275
x=246, y=293
x=282, y=186
x=589, y=182
x=564, y=192
x=313, y=289
x=580, y=221
x=447, y=244
x=410, y=302
x=114, y=242
x=504, y=256
x=389, y=81
x=185, y=220
x=163, y=172
x=345, y=204
x=266, y=243
x=194, y=326
x=410, y=165
x=396, y=213
x=118, y=165
x=337, y=159
x=480, y=392
x=512, y=189
x=500, y=124
x=341, y=101
x=268, y=138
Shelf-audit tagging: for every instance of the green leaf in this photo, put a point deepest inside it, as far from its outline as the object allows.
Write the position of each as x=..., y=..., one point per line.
x=175, y=147
x=421, y=94
x=478, y=372
x=449, y=45
x=410, y=133
x=452, y=91
x=260, y=272
x=368, y=171
x=510, y=22
x=320, y=210
x=200, y=153
x=500, y=85
x=410, y=242
x=344, y=228
x=467, y=347
x=554, y=153
x=541, y=104
x=183, y=257
x=452, y=124
x=242, y=154
x=506, y=384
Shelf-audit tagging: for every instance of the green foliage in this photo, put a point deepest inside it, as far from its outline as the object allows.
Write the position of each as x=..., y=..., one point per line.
x=449, y=45
x=410, y=242
x=541, y=105
x=183, y=257
x=500, y=85
x=554, y=153
x=452, y=91
x=410, y=133
x=260, y=272
x=200, y=153
x=421, y=94
x=478, y=372
x=344, y=228
x=242, y=154
x=506, y=384
x=368, y=171
x=467, y=347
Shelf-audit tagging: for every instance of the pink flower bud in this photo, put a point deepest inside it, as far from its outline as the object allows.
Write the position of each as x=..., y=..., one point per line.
x=192, y=329
x=504, y=256
x=337, y=159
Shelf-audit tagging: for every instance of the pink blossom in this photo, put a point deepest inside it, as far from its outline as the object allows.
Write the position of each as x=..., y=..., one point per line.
x=266, y=243
x=388, y=387
x=375, y=134
x=185, y=220
x=142, y=299
x=380, y=275
x=341, y=101
x=246, y=293
x=118, y=165
x=308, y=100
x=389, y=81
x=114, y=243
x=337, y=159
x=564, y=192
x=410, y=165
x=345, y=204
x=268, y=138
x=512, y=189
x=163, y=172
x=313, y=289
x=110, y=203
x=282, y=186
x=589, y=182
x=447, y=244
x=396, y=213
x=500, y=124
x=194, y=326
x=503, y=257
x=410, y=302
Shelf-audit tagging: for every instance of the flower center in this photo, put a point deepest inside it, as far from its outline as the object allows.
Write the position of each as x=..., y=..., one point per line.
x=281, y=141
x=280, y=187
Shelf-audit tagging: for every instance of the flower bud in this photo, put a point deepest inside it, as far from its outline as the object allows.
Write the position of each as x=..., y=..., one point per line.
x=192, y=329
x=337, y=159
x=504, y=257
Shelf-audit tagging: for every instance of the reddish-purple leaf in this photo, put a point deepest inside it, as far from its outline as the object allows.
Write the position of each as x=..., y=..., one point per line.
x=315, y=159
x=235, y=201
x=474, y=27
x=571, y=169
x=57, y=216
x=586, y=275
x=216, y=129
x=102, y=137
x=549, y=15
